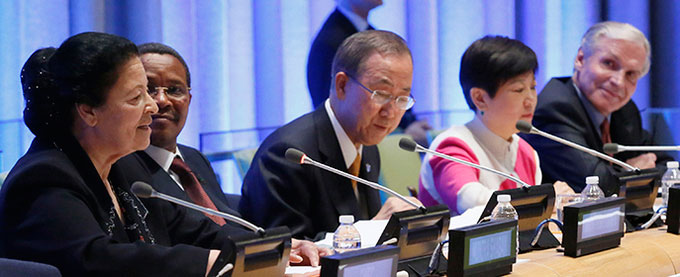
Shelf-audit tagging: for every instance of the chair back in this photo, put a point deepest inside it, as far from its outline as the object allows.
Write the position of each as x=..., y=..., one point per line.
x=3, y=176
x=242, y=159
x=399, y=169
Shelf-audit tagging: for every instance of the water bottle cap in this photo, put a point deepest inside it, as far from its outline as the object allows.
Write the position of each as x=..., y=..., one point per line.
x=672, y=164
x=503, y=198
x=347, y=219
x=592, y=180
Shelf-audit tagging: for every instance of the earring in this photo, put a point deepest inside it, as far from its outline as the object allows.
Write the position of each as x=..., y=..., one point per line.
x=482, y=112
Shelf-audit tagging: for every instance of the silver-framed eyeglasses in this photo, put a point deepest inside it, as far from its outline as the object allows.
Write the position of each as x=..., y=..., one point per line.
x=175, y=92
x=382, y=97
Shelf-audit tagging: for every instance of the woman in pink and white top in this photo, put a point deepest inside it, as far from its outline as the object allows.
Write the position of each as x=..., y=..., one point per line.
x=497, y=76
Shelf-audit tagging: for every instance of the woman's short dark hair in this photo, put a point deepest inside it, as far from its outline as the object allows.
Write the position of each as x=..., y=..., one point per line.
x=81, y=71
x=491, y=61
x=159, y=48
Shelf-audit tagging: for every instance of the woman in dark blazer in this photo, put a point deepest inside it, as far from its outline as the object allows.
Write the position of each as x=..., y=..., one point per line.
x=67, y=202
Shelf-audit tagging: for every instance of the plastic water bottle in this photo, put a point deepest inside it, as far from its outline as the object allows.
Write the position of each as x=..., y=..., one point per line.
x=592, y=191
x=670, y=178
x=346, y=237
x=504, y=210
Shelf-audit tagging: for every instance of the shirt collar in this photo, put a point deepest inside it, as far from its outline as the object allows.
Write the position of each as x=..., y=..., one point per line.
x=349, y=152
x=162, y=156
x=359, y=22
x=494, y=143
x=595, y=116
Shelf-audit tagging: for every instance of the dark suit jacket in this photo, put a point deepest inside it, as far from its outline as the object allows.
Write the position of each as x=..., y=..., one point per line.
x=334, y=31
x=162, y=182
x=200, y=165
x=55, y=209
x=560, y=112
x=305, y=198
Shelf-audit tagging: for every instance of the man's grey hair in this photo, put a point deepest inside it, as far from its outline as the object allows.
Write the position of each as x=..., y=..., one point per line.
x=615, y=30
x=356, y=49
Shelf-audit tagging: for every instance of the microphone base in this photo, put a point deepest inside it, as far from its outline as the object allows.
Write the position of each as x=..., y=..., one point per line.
x=546, y=240
x=636, y=219
x=418, y=266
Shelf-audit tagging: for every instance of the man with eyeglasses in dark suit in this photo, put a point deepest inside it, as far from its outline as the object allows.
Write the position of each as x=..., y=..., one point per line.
x=182, y=171
x=370, y=91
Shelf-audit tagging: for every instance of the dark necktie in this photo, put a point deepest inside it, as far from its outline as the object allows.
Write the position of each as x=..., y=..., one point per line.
x=193, y=187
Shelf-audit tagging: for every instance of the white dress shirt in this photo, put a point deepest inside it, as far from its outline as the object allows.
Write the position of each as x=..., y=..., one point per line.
x=164, y=159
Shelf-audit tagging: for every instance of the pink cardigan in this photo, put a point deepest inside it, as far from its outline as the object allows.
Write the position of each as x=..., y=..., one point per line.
x=462, y=187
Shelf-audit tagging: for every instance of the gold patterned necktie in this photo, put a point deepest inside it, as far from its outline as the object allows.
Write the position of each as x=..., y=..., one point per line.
x=354, y=170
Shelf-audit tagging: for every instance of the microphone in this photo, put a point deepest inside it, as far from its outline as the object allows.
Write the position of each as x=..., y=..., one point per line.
x=299, y=157
x=144, y=190
x=410, y=145
x=527, y=128
x=613, y=148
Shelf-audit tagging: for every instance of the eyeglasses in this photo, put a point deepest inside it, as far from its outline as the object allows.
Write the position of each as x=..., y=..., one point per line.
x=175, y=92
x=382, y=97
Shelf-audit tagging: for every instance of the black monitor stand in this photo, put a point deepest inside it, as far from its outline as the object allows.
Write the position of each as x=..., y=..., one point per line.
x=533, y=204
x=262, y=255
x=417, y=234
x=640, y=190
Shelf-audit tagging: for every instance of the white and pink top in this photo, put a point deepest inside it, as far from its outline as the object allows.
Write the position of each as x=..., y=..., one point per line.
x=462, y=187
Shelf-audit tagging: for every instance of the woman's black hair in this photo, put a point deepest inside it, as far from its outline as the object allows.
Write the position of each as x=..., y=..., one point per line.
x=81, y=71
x=492, y=60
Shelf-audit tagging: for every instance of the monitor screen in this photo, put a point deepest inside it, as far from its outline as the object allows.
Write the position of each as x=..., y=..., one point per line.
x=601, y=222
x=490, y=247
x=370, y=268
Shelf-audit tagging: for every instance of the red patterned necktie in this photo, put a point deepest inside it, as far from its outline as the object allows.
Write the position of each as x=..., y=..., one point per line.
x=606, y=136
x=193, y=187
x=604, y=127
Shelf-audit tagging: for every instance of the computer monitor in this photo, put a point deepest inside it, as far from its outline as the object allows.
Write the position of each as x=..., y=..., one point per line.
x=640, y=190
x=485, y=249
x=262, y=255
x=417, y=233
x=533, y=204
x=673, y=211
x=593, y=226
x=375, y=261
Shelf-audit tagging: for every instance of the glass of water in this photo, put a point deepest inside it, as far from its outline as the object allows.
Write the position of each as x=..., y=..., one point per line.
x=565, y=200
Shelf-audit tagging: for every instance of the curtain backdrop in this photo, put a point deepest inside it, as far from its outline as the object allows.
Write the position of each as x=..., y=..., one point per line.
x=248, y=57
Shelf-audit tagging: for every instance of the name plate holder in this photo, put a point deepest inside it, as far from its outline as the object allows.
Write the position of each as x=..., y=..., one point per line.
x=673, y=210
x=593, y=226
x=485, y=249
x=262, y=255
x=374, y=261
x=417, y=233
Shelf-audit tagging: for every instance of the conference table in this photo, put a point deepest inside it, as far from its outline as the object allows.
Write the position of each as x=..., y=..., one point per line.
x=652, y=252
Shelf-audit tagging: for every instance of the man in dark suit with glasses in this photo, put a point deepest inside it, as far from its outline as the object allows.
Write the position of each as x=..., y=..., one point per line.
x=370, y=91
